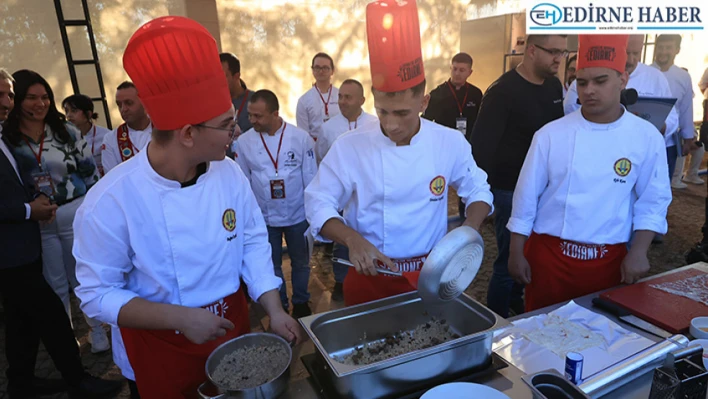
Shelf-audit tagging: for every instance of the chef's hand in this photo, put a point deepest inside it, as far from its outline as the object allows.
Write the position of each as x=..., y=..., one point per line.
x=201, y=325
x=634, y=266
x=519, y=268
x=366, y=257
x=282, y=324
x=663, y=129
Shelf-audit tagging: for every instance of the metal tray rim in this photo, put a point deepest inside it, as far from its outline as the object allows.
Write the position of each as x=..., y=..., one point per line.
x=342, y=370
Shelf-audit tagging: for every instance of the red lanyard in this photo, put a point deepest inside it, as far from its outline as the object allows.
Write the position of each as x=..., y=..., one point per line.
x=277, y=154
x=467, y=91
x=326, y=103
x=93, y=142
x=37, y=155
x=245, y=100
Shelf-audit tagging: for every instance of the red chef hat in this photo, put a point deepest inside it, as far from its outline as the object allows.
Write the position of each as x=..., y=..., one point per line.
x=395, y=56
x=603, y=51
x=174, y=64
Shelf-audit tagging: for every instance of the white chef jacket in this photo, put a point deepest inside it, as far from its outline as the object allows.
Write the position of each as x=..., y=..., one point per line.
x=139, y=234
x=94, y=137
x=569, y=187
x=110, y=152
x=648, y=82
x=395, y=196
x=296, y=167
x=310, y=111
x=681, y=88
x=337, y=126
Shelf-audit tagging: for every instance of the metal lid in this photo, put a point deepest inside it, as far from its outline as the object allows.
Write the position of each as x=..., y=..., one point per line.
x=451, y=266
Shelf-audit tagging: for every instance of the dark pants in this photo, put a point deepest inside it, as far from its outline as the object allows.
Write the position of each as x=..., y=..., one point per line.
x=340, y=270
x=503, y=290
x=671, y=156
x=34, y=313
x=299, y=260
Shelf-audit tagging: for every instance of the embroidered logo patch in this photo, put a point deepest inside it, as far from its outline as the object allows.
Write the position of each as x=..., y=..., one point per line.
x=623, y=166
x=229, y=219
x=437, y=185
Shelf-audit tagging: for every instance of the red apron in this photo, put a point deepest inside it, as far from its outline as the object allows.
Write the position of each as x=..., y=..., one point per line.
x=562, y=270
x=358, y=288
x=167, y=364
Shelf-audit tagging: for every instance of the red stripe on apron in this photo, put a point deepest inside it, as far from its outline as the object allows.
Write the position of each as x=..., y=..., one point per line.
x=167, y=364
x=562, y=270
x=358, y=288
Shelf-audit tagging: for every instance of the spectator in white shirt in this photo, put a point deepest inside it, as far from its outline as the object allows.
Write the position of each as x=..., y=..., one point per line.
x=132, y=136
x=279, y=161
x=666, y=49
x=79, y=111
x=318, y=104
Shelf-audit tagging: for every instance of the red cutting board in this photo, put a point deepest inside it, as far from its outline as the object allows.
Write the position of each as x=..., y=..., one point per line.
x=671, y=312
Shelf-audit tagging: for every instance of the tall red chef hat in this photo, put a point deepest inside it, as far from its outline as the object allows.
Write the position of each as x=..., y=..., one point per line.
x=395, y=56
x=174, y=64
x=603, y=51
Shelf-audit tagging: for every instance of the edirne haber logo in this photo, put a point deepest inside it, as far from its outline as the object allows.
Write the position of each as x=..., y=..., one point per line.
x=611, y=16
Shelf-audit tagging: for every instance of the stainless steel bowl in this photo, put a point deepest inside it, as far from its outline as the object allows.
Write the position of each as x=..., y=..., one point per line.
x=270, y=390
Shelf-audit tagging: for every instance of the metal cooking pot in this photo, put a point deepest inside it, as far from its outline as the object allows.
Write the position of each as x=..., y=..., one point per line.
x=270, y=390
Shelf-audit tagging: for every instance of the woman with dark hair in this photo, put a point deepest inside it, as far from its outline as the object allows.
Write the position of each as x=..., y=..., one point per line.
x=79, y=111
x=52, y=154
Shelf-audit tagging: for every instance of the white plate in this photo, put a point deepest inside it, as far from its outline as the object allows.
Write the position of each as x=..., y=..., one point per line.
x=463, y=390
x=704, y=344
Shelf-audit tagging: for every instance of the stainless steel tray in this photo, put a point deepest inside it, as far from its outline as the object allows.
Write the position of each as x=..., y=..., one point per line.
x=340, y=331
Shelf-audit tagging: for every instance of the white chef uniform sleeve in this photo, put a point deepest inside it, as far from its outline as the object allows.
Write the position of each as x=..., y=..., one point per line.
x=240, y=156
x=685, y=111
x=468, y=179
x=102, y=260
x=309, y=163
x=302, y=117
x=322, y=145
x=257, y=267
x=533, y=180
x=570, y=102
x=328, y=192
x=109, y=152
x=672, y=121
x=653, y=189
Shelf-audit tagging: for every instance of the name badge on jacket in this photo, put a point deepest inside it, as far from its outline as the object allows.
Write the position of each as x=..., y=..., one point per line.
x=277, y=189
x=43, y=183
x=461, y=124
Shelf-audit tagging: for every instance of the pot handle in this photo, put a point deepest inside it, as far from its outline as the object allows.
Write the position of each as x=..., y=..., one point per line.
x=205, y=396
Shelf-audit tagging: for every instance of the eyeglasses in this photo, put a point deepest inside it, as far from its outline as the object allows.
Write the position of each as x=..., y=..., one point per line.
x=555, y=53
x=232, y=130
x=318, y=68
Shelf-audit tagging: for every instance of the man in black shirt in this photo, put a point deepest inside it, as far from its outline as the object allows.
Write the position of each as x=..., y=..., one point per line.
x=514, y=107
x=455, y=103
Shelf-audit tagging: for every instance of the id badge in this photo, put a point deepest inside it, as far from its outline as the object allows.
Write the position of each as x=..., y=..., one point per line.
x=461, y=125
x=43, y=183
x=277, y=189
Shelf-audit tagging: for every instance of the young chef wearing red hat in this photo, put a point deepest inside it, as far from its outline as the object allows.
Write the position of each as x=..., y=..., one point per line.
x=391, y=178
x=162, y=241
x=588, y=181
